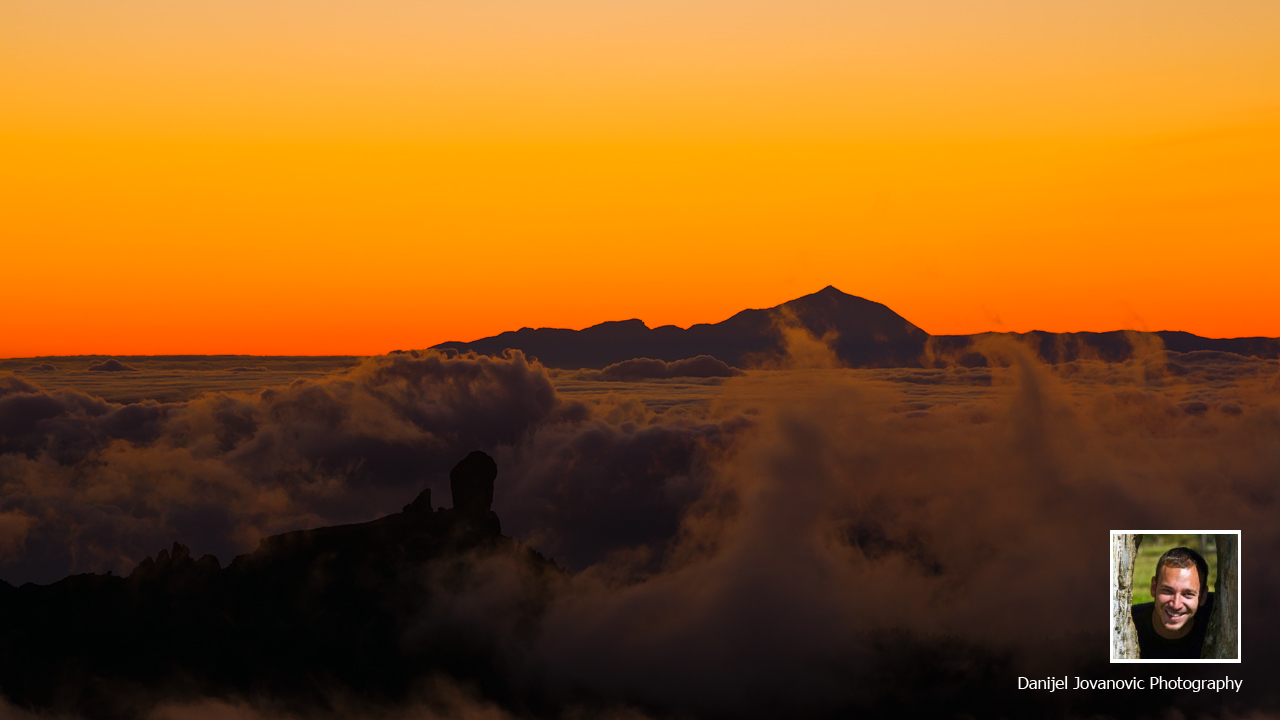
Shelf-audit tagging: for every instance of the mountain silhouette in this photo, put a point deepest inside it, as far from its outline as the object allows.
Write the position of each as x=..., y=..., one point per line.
x=1113, y=346
x=865, y=334
x=862, y=334
x=361, y=609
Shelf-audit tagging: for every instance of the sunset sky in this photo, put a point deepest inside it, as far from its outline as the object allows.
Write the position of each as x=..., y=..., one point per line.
x=334, y=177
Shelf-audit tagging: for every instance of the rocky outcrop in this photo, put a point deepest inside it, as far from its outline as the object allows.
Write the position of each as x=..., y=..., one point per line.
x=471, y=482
x=309, y=616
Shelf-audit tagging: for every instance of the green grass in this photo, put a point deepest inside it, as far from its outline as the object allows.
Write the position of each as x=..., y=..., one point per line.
x=1153, y=546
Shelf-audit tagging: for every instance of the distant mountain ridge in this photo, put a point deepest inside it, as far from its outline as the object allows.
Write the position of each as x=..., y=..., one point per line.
x=862, y=333
x=867, y=334
x=1113, y=346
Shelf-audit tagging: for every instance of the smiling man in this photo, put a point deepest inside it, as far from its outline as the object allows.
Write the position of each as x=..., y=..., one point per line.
x=1172, y=627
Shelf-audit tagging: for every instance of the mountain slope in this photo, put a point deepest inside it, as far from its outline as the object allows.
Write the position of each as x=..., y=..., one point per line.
x=368, y=610
x=863, y=333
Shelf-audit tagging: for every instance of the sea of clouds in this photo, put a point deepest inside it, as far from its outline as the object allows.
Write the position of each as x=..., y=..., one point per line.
x=802, y=542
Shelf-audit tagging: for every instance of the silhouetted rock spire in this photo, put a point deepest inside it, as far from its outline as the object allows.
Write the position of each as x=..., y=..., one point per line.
x=471, y=482
x=420, y=504
x=177, y=560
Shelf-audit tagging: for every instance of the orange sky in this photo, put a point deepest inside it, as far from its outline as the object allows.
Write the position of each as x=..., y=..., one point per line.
x=279, y=176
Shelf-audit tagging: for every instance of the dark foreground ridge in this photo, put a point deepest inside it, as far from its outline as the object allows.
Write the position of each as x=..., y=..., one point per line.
x=311, y=617
x=862, y=333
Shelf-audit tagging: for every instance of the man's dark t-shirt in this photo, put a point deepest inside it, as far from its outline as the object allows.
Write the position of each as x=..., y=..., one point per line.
x=1153, y=647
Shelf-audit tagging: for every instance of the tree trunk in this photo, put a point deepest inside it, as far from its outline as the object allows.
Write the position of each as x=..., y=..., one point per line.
x=1222, y=637
x=1124, y=636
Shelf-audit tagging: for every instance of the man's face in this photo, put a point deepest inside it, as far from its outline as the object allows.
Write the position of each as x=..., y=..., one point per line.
x=1177, y=594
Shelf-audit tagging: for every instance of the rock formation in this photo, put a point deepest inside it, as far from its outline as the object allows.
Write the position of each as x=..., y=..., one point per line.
x=471, y=482
x=359, y=610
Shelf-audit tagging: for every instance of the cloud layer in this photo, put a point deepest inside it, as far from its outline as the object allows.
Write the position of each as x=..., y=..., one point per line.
x=702, y=366
x=805, y=542
x=90, y=485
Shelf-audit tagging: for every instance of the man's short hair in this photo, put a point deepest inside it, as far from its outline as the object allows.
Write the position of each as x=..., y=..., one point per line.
x=1182, y=557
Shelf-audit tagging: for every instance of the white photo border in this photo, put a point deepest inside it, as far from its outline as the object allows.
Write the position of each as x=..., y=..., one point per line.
x=1111, y=586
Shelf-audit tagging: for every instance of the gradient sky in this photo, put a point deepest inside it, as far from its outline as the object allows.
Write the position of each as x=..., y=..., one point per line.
x=279, y=176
